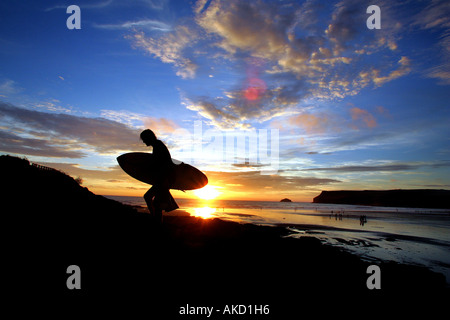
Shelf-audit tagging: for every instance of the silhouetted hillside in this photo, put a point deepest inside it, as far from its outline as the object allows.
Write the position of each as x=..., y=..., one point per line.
x=389, y=198
x=44, y=187
x=49, y=202
x=52, y=222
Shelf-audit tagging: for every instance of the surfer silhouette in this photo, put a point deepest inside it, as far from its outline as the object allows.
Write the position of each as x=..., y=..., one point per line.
x=158, y=197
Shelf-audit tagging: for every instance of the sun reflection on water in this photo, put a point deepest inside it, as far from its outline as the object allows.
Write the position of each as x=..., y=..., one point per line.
x=204, y=212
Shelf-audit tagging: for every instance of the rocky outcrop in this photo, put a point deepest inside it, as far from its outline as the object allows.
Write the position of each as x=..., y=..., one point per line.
x=420, y=198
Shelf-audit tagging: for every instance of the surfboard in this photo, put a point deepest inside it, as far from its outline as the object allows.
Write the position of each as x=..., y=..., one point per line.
x=142, y=166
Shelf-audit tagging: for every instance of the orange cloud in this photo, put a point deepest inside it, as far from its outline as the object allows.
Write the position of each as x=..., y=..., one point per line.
x=363, y=115
x=160, y=126
x=404, y=69
x=311, y=123
x=254, y=186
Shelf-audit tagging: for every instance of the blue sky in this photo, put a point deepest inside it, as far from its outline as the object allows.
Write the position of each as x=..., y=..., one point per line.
x=352, y=108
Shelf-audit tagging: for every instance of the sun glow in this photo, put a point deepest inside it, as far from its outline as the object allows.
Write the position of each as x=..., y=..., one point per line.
x=207, y=193
x=205, y=212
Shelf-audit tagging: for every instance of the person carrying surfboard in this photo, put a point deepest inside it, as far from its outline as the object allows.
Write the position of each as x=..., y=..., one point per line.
x=158, y=197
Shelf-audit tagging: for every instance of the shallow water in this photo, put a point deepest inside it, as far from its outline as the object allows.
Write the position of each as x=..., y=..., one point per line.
x=407, y=235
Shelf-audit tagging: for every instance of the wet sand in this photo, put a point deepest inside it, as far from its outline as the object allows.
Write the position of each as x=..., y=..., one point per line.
x=412, y=236
x=202, y=262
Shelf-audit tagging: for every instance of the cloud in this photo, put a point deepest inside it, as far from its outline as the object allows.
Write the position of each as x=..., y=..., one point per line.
x=253, y=181
x=364, y=116
x=90, y=5
x=285, y=48
x=261, y=30
x=160, y=126
x=14, y=143
x=170, y=48
x=381, y=168
x=248, y=165
x=155, y=4
x=436, y=16
x=341, y=85
x=237, y=112
x=403, y=69
x=146, y=24
x=312, y=123
x=240, y=24
x=344, y=25
x=300, y=58
x=52, y=105
x=441, y=72
x=33, y=132
x=391, y=167
x=346, y=135
x=272, y=32
x=152, y=4
x=8, y=87
x=217, y=117
x=131, y=119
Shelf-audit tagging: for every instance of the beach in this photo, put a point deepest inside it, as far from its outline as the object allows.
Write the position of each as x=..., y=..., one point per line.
x=201, y=262
x=418, y=236
x=126, y=262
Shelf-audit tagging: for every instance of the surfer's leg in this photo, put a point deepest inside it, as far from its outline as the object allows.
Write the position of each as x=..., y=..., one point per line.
x=153, y=204
x=158, y=216
x=158, y=204
x=148, y=197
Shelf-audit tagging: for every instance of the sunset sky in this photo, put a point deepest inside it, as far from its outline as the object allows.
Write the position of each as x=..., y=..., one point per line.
x=346, y=107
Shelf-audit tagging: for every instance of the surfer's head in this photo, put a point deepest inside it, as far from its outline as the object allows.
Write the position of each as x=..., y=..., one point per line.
x=148, y=137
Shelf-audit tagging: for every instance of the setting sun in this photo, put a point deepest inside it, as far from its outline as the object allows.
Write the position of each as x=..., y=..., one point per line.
x=208, y=192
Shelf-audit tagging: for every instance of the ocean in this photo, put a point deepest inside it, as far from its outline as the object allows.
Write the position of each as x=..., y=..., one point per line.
x=406, y=235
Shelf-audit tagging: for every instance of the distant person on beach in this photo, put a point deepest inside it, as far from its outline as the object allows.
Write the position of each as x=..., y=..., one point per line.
x=158, y=197
x=362, y=220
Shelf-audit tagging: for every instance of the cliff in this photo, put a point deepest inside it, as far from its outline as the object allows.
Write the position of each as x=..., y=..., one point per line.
x=421, y=198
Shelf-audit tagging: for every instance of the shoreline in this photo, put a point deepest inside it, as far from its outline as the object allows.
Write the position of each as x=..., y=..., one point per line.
x=370, y=245
x=209, y=261
x=357, y=242
x=301, y=205
x=123, y=257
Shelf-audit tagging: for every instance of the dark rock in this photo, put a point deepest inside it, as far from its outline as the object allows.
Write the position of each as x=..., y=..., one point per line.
x=420, y=198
